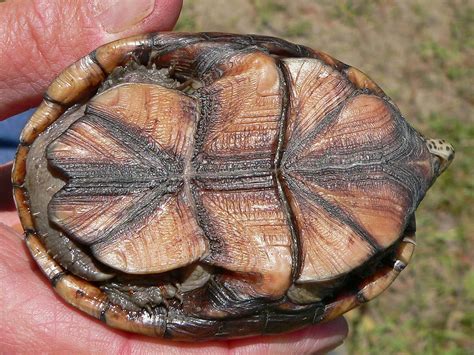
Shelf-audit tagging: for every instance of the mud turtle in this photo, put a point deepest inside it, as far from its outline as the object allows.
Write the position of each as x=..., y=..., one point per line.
x=199, y=186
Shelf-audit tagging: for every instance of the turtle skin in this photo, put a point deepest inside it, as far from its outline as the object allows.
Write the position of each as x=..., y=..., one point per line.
x=204, y=186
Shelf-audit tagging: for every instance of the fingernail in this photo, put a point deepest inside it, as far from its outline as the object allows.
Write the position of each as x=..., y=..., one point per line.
x=120, y=15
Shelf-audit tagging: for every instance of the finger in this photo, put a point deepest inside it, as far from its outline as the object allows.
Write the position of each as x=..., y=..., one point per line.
x=317, y=339
x=33, y=317
x=38, y=38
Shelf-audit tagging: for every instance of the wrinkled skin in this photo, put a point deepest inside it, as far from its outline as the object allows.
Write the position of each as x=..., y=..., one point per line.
x=52, y=34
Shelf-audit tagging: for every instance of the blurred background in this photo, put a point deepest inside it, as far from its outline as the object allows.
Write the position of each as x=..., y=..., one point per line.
x=421, y=52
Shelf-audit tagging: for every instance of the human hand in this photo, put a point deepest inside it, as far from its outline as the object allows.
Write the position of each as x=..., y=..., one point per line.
x=37, y=40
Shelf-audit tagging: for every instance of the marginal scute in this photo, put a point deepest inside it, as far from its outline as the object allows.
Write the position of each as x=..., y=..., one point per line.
x=21, y=202
x=76, y=82
x=362, y=81
x=19, y=166
x=116, y=53
x=46, y=113
x=140, y=322
x=48, y=266
x=372, y=286
x=82, y=294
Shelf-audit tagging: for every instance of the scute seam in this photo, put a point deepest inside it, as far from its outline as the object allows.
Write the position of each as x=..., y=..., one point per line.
x=296, y=252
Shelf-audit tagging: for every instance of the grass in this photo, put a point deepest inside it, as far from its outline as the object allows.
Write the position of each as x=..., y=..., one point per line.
x=421, y=53
x=298, y=28
x=266, y=10
x=351, y=12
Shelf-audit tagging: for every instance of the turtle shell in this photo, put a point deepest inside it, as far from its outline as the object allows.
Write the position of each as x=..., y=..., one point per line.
x=199, y=186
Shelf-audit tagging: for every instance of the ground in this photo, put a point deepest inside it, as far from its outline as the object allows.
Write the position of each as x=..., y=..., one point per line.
x=421, y=53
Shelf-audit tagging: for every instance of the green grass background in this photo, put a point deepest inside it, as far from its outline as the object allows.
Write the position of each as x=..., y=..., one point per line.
x=421, y=53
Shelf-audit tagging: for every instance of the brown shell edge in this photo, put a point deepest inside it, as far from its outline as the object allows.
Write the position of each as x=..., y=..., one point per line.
x=86, y=297
x=93, y=301
x=82, y=78
x=376, y=284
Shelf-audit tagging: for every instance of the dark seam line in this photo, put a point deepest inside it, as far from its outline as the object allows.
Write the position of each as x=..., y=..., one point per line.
x=323, y=124
x=123, y=133
x=137, y=213
x=49, y=99
x=56, y=278
x=93, y=57
x=290, y=218
x=343, y=217
x=284, y=82
x=189, y=187
x=103, y=312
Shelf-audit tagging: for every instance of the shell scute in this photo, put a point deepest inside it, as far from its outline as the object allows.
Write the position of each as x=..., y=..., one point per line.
x=260, y=187
x=117, y=199
x=347, y=179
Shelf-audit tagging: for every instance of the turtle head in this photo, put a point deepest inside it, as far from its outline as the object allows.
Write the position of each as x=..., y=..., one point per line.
x=443, y=154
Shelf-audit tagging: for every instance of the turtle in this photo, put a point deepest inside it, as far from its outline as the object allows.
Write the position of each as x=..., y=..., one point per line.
x=198, y=186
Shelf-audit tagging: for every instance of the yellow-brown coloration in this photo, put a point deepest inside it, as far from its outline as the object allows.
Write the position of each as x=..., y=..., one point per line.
x=167, y=240
x=248, y=123
x=46, y=263
x=76, y=82
x=255, y=237
x=362, y=81
x=45, y=115
x=19, y=166
x=114, y=54
x=143, y=323
x=82, y=295
x=165, y=116
x=21, y=201
x=374, y=285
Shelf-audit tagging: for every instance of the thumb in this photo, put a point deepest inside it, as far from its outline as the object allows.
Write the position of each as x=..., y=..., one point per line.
x=38, y=38
x=8, y=214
